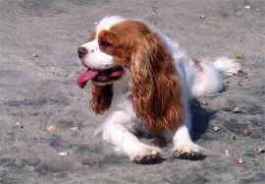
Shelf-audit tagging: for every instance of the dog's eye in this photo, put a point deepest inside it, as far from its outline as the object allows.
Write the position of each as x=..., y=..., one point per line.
x=104, y=44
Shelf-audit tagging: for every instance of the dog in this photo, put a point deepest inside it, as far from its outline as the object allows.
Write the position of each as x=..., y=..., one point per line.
x=145, y=82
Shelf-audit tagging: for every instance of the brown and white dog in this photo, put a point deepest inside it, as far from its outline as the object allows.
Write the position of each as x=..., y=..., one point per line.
x=146, y=82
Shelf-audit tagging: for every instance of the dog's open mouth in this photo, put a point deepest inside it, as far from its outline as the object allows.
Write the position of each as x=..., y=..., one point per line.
x=101, y=76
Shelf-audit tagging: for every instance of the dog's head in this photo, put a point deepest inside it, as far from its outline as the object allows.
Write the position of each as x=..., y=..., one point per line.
x=119, y=46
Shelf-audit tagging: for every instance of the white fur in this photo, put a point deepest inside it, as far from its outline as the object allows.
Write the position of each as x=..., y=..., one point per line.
x=227, y=65
x=95, y=57
x=107, y=22
x=118, y=128
x=206, y=82
x=182, y=141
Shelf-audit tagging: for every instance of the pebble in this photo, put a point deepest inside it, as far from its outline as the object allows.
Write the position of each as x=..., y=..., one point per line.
x=74, y=128
x=227, y=153
x=51, y=129
x=202, y=16
x=261, y=150
x=247, y=132
x=247, y=6
x=63, y=153
x=236, y=110
x=240, y=161
x=216, y=128
x=239, y=56
x=35, y=55
x=19, y=125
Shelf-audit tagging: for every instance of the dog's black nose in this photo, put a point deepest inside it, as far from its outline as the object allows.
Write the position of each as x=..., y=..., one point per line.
x=81, y=51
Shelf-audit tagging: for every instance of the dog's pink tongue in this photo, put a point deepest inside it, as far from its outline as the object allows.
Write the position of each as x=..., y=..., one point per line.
x=117, y=73
x=85, y=77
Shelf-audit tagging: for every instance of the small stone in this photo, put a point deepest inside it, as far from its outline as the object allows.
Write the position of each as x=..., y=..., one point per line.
x=202, y=17
x=216, y=128
x=227, y=153
x=74, y=128
x=19, y=125
x=247, y=132
x=51, y=129
x=236, y=110
x=239, y=56
x=63, y=153
x=247, y=6
x=35, y=55
x=240, y=161
x=261, y=150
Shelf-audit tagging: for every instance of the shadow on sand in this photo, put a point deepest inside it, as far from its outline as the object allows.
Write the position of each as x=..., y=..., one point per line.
x=200, y=119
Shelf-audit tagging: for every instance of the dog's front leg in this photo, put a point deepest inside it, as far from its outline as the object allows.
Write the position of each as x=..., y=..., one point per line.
x=184, y=147
x=116, y=131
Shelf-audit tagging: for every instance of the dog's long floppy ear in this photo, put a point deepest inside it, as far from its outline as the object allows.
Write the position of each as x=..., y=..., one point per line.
x=156, y=89
x=101, y=98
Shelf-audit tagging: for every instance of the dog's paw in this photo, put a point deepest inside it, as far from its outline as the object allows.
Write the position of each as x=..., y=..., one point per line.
x=188, y=151
x=147, y=155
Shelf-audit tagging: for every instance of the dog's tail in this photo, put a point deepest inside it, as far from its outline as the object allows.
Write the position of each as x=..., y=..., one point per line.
x=208, y=77
x=227, y=66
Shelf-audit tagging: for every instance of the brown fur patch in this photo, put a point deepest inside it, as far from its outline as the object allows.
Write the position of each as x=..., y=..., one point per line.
x=156, y=86
x=156, y=90
x=101, y=98
x=101, y=95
